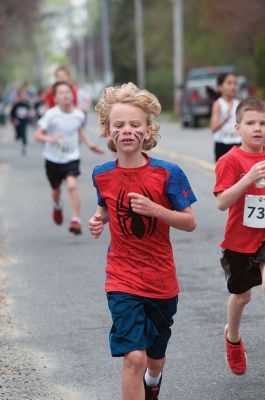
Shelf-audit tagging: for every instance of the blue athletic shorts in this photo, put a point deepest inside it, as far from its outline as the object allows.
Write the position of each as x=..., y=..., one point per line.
x=140, y=323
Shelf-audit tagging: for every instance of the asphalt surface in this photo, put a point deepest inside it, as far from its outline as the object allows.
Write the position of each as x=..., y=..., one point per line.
x=54, y=317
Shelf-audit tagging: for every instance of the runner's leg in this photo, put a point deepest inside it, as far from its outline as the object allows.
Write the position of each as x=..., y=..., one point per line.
x=74, y=195
x=262, y=270
x=155, y=366
x=235, y=307
x=56, y=195
x=133, y=371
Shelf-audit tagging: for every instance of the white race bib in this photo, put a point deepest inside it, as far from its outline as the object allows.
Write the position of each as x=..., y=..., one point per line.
x=22, y=112
x=230, y=137
x=254, y=211
x=63, y=149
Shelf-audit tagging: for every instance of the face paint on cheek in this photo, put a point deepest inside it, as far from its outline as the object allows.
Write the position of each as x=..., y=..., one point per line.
x=138, y=135
x=115, y=135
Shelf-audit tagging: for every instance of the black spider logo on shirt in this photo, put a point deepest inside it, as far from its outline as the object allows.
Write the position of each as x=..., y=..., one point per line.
x=137, y=224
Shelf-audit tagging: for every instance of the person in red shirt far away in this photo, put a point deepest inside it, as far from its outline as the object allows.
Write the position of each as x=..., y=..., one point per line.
x=140, y=197
x=240, y=187
x=61, y=74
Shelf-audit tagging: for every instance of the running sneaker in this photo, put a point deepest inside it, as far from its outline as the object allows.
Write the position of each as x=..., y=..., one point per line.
x=75, y=227
x=236, y=356
x=152, y=392
x=57, y=215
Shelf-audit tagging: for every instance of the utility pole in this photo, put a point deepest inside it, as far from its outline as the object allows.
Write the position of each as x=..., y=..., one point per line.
x=178, y=52
x=138, y=13
x=90, y=49
x=81, y=59
x=108, y=74
x=40, y=63
x=73, y=63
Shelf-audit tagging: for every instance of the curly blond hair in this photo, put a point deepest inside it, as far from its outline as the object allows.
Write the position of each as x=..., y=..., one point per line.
x=129, y=93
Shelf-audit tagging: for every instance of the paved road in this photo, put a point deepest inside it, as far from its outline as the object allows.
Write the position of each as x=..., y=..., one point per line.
x=54, y=317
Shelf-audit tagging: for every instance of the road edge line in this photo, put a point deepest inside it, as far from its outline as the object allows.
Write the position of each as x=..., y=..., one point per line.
x=190, y=160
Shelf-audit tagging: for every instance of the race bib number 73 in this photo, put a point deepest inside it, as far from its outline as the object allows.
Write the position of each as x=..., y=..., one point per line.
x=254, y=211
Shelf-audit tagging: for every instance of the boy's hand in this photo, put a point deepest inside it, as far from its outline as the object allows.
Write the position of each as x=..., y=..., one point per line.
x=96, y=226
x=143, y=205
x=256, y=172
x=96, y=149
x=55, y=138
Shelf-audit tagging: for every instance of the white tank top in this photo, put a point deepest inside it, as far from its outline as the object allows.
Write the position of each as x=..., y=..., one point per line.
x=227, y=134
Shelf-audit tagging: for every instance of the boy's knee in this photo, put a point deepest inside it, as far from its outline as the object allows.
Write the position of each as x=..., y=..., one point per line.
x=71, y=185
x=136, y=359
x=71, y=188
x=244, y=298
x=156, y=364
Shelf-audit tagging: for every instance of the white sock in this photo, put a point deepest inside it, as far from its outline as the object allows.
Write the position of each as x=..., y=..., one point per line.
x=151, y=380
x=57, y=206
x=77, y=219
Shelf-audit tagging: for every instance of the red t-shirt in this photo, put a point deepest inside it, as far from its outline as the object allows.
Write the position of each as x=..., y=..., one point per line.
x=49, y=98
x=140, y=258
x=230, y=168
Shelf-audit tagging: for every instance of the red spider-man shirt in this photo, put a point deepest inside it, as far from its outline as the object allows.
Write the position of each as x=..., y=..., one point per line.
x=140, y=258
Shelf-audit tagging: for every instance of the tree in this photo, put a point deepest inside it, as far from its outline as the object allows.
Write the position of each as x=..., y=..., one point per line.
x=215, y=33
x=239, y=23
x=259, y=57
x=158, y=46
x=17, y=22
x=123, y=41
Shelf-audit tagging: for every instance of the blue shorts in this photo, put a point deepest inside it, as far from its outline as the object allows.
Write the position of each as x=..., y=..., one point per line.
x=140, y=323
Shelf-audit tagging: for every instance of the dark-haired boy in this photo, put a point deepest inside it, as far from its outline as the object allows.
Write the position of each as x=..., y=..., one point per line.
x=239, y=175
x=19, y=115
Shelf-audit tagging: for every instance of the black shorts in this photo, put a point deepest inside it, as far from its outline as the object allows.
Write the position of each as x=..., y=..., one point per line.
x=21, y=132
x=56, y=172
x=221, y=148
x=242, y=269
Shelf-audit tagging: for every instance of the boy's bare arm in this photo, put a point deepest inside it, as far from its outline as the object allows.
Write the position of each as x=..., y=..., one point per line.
x=88, y=142
x=41, y=136
x=229, y=196
x=96, y=223
x=183, y=220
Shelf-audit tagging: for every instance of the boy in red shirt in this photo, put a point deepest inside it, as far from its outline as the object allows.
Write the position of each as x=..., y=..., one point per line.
x=61, y=75
x=140, y=197
x=240, y=187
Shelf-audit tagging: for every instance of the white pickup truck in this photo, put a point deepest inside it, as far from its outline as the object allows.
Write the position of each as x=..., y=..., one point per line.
x=196, y=103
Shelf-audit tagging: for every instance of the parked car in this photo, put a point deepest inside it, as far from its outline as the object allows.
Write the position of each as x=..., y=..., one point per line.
x=196, y=103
